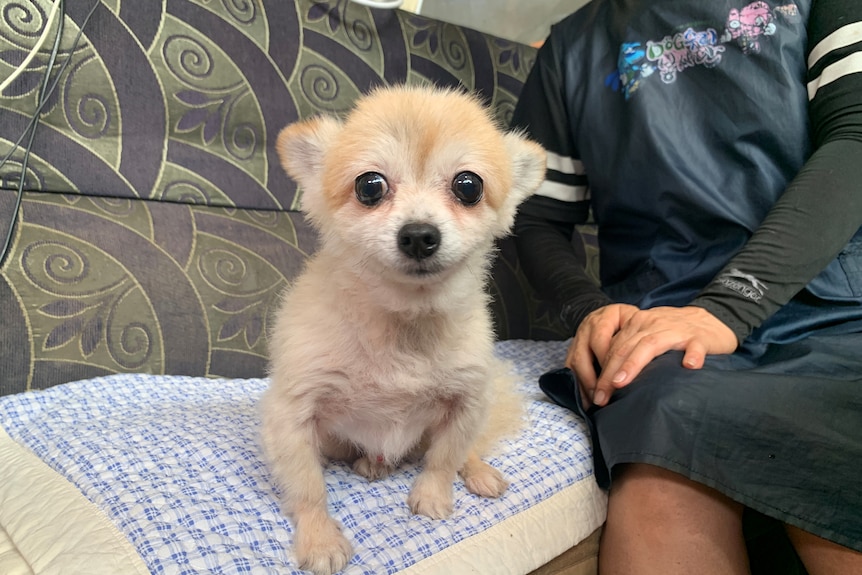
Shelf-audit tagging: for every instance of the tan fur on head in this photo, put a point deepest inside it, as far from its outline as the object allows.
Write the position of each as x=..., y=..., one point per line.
x=384, y=133
x=384, y=346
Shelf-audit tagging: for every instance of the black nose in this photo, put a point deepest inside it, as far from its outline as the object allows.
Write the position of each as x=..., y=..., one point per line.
x=418, y=241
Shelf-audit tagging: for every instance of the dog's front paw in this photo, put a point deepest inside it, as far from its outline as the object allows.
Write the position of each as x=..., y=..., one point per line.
x=372, y=469
x=322, y=548
x=483, y=480
x=431, y=497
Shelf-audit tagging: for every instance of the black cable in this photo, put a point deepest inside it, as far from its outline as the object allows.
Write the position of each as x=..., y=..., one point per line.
x=44, y=94
x=32, y=128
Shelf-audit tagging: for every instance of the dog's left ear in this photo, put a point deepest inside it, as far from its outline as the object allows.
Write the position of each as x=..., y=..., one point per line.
x=302, y=148
x=528, y=163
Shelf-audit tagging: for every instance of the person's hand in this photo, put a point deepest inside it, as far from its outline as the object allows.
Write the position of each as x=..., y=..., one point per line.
x=592, y=342
x=624, y=339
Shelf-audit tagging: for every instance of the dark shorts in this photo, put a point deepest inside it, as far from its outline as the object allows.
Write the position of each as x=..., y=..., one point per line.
x=777, y=428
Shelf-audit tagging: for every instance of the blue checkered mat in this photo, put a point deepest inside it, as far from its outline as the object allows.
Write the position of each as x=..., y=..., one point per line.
x=175, y=463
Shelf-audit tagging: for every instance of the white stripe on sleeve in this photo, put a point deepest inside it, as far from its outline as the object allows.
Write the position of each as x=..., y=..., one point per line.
x=851, y=64
x=565, y=164
x=840, y=38
x=563, y=192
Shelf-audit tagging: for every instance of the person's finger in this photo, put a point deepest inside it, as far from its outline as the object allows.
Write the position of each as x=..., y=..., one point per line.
x=626, y=359
x=695, y=355
x=572, y=363
x=591, y=344
x=582, y=365
x=601, y=338
x=594, y=350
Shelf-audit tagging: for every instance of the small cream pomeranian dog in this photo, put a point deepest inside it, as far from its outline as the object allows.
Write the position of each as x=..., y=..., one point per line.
x=383, y=347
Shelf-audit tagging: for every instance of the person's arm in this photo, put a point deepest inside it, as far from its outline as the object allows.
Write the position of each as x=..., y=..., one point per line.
x=822, y=207
x=546, y=221
x=554, y=270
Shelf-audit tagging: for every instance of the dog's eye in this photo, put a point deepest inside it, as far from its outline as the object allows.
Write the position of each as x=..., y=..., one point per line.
x=467, y=187
x=370, y=188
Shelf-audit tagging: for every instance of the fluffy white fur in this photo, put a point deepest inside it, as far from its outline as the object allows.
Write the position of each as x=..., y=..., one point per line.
x=376, y=356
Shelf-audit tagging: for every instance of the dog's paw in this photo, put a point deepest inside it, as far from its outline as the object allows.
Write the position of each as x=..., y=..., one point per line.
x=323, y=550
x=483, y=480
x=372, y=469
x=431, y=498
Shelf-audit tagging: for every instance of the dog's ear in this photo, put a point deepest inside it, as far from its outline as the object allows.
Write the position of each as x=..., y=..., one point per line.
x=528, y=163
x=302, y=148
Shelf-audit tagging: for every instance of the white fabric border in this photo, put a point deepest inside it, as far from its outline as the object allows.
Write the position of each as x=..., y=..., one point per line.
x=11, y=561
x=48, y=527
x=508, y=548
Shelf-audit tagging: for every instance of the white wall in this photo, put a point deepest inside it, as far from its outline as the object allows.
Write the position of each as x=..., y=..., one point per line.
x=521, y=20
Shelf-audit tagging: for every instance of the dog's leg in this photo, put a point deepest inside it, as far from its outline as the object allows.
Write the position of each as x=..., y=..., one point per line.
x=482, y=479
x=449, y=444
x=372, y=468
x=338, y=450
x=292, y=448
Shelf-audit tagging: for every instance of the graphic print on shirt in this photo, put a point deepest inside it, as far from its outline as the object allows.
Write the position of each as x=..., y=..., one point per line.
x=630, y=69
x=683, y=50
x=744, y=284
x=747, y=27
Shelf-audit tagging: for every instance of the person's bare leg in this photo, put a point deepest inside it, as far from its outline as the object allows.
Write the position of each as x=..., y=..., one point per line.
x=822, y=557
x=660, y=522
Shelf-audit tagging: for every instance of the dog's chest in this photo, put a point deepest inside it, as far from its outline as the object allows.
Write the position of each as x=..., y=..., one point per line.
x=388, y=413
x=399, y=379
x=397, y=395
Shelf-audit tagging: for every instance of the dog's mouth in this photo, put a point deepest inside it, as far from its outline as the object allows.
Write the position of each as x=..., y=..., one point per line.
x=429, y=270
x=423, y=270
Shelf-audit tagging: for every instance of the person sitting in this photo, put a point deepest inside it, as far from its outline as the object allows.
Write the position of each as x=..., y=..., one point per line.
x=718, y=147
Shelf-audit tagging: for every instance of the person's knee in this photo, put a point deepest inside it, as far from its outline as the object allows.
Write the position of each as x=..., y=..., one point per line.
x=649, y=483
x=658, y=519
x=643, y=491
x=822, y=556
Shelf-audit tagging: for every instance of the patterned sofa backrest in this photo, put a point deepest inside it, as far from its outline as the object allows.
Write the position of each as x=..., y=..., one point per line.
x=157, y=229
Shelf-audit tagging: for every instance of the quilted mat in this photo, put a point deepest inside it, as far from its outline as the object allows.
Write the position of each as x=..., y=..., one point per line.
x=174, y=463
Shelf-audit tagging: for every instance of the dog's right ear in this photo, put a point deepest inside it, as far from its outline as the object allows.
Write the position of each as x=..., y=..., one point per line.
x=302, y=148
x=527, y=159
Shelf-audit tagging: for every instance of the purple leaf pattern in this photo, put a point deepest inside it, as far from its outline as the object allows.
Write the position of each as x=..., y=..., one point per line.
x=203, y=112
x=64, y=333
x=63, y=308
